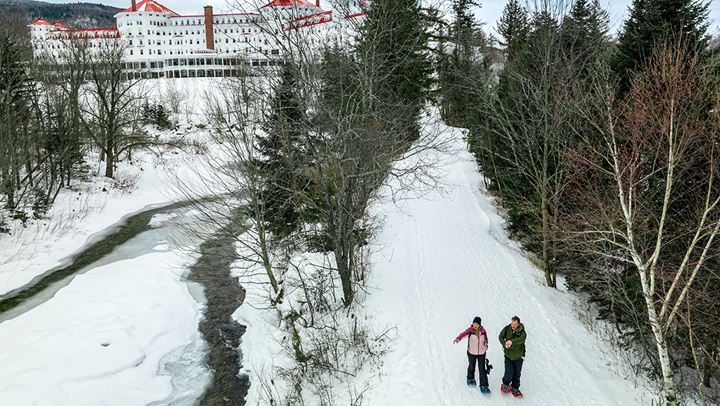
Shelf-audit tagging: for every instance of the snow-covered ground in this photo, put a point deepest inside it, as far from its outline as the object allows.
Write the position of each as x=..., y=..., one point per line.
x=117, y=333
x=443, y=259
x=122, y=333
x=125, y=331
x=442, y=256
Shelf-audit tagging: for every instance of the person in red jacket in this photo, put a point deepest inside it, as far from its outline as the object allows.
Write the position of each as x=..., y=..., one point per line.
x=476, y=348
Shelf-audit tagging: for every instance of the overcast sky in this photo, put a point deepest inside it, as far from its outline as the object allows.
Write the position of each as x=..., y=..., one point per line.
x=488, y=13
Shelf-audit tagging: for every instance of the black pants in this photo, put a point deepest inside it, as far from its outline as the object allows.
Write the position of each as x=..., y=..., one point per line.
x=480, y=360
x=512, y=372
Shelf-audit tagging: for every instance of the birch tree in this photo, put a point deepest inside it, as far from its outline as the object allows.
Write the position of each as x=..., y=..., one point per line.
x=646, y=189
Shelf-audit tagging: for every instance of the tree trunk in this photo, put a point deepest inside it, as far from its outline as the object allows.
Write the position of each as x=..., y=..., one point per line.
x=29, y=170
x=549, y=279
x=343, y=265
x=549, y=274
x=660, y=343
x=109, y=158
x=266, y=257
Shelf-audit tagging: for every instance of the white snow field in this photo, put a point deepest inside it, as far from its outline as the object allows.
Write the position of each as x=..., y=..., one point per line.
x=443, y=259
x=123, y=333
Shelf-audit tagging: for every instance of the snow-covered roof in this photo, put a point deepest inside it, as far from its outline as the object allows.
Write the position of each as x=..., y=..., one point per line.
x=149, y=6
x=288, y=3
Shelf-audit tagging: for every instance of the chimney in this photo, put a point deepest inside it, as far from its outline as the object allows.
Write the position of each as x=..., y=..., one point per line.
x=133, y=5
x=209, y=35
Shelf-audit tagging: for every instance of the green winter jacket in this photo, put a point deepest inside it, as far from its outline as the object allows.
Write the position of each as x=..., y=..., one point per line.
x=517, y=350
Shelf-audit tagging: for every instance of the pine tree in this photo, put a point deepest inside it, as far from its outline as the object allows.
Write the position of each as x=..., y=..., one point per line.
x=513, y=27
x=654, y=22
x=15, y=93
x=464, y=71
x=393, y=44
x=464, y=25
x=584, y=35
x=284, y=154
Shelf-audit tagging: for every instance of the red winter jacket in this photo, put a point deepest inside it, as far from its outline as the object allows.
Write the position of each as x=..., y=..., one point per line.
x=477, y=343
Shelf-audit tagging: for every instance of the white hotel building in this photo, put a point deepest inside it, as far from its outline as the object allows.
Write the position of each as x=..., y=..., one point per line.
x=162, y=43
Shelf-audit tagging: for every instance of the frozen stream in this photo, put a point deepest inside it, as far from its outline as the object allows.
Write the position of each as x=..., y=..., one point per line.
x=122, y=330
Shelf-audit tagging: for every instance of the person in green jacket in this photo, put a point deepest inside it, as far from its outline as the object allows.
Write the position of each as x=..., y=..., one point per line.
x=512, y=338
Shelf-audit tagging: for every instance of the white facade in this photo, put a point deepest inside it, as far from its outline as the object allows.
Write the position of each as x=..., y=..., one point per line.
x=162, y=43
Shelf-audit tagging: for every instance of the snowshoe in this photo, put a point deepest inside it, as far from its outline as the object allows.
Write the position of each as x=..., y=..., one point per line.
x=485, y=389
x=517, y=393
x=471, y=383
x=504, y=388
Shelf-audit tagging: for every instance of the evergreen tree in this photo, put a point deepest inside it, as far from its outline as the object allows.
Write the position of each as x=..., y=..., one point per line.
x=654, y=22
x=284, y=154
x=513, y=26
x=393, y=45
x=464, y=72
x=464, y=25
x=584, y=35
x=15, y=96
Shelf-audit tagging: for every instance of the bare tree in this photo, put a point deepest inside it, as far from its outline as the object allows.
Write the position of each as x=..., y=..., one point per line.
x=113, y=106
x=646, y=185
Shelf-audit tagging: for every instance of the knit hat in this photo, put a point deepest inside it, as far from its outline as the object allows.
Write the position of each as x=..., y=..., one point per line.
x=477, y=320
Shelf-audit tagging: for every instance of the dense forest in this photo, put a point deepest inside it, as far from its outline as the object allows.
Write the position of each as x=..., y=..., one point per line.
x=81, y=15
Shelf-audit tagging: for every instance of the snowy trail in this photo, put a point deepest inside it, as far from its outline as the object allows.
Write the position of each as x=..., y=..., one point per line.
x=443, y=259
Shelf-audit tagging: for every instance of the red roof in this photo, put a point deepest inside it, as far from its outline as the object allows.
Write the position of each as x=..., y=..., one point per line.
x=149, y=6
x=320, y=14
x=360, y=14
x=40, y=21
x=57, y=24
x=288, y=3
